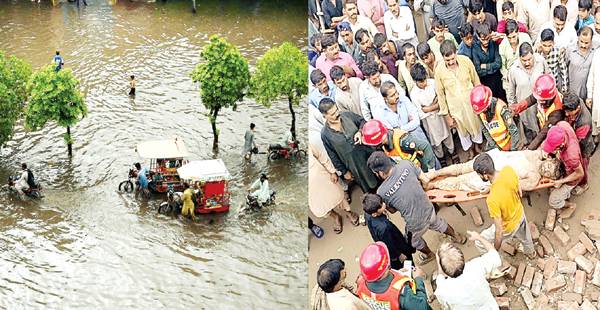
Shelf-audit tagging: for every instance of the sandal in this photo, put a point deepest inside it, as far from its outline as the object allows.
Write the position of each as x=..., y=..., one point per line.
x=317, y=231
x=424, y=259
x=339, y=225
x=462, y=240
x=496, y=274
x=353, y=217
x=578, y=190
x=347, y=197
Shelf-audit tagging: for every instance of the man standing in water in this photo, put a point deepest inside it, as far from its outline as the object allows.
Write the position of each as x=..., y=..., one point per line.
x=58, y=60
x=142, y=179
x=188, y=201
x=132, y=86
x=249, y=144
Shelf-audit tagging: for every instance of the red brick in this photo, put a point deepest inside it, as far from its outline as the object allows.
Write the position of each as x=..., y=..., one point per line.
x=536, y=285
x=579, y=284
x=572, y=297
x=498, y=288
x=476, y=216
x=555, y=284
x=503, y=303
x=520, y=273
x=587, y=305
x=550, y=219
x=589, y=245
x=541, y=302
x=584, y=264
x=596, y=275
x=540, y=262
x=540, y=250
x=528, y=277
x=528, y=298
x=561, y=235
x=548, y=250
x=512, y=272
x=567, y=305
x=535, y=233
x=508, y=249
x=566, y=267
x=576, y=250
x=550, y=268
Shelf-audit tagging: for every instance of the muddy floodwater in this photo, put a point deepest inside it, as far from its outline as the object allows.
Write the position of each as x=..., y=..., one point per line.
x=85, y=245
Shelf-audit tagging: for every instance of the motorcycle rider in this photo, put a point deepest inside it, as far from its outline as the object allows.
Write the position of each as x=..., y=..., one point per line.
x=22, y=184
x=142, y=179
x=262, y=194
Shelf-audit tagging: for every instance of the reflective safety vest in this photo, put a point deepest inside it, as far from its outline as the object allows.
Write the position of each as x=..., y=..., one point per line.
x=396, y=152
x=390, y=299
x=496, y=127
x=542, y=114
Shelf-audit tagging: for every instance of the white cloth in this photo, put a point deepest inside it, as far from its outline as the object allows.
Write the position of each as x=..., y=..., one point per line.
x=370, y=96
x=436, y=127
x=535, y=13
x=364, y=23
x=315, y=119
x=567, y=37
x=21, y=184
x=403, y=25
x=263, y=193
x=470, y=290
x=593, y=92
x=572, y=10
x=344, y=300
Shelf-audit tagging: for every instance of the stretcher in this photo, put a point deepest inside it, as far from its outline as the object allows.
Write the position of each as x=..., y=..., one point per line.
x=454, y=198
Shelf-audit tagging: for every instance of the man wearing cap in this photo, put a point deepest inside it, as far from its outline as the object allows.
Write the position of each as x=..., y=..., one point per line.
x=562, y=141
x=401, y=191
x=545, y=96
x=384, y=288
x=580, y=119
x=346, y=40
x=399, y=144
x=499, y=128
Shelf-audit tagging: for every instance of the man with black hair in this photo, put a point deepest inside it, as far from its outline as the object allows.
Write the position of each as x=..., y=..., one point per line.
x=330, y=278
x=333, y=12
x=487, y=61
x=365, y=45
x=358, y=21
x=467, y=35
x=555, y=59
x=580, y=118
x=440, y=31
x=142, y=178
x=521, y=78
x=509, y=49
x=370, y=94
x=249, y=144
x=400, y=24
x=553, y=118
x=314, y=48
x=504, y=206
x=401, y=190
x=387, y=52
x=579, y=61
x=563, y=36
x=427, y=58
x=454, y=80
x=452, y=12
x=321, y=87
x=347, y=42
x=332, y=56
x=508, y=13
x=584, y=16
x=479, y=17
x=347, y=95
x=464, y=285
x=410, y=59
x=341, y=137
x=382, y=229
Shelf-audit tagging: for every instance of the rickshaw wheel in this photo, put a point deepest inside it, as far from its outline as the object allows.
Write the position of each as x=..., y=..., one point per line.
x=300, y=154
x=126, y=186
x=165, y=208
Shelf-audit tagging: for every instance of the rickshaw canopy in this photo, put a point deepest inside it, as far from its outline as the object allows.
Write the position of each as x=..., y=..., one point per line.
x=170, y=148
x=204, y=170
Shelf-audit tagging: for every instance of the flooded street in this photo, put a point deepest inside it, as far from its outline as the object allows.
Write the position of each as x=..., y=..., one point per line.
x=85, y=245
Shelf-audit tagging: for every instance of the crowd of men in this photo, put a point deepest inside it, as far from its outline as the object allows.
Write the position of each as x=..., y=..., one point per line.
x=396, y=85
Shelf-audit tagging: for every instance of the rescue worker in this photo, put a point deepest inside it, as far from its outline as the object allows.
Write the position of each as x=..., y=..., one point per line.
x=580, y=118
x=399, y=144
x=545, y=95
x=384, y=288
x=499, y=127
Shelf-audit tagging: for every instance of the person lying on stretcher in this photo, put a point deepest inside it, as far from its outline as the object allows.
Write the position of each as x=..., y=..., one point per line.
x=529, y=165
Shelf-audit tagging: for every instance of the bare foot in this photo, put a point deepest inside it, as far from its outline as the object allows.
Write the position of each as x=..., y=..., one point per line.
x=567, y=211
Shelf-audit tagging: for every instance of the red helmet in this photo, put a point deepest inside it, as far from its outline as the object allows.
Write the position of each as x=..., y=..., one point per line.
x=545, y=87
x=374, y=261
x=373, y=132
x=480, y=98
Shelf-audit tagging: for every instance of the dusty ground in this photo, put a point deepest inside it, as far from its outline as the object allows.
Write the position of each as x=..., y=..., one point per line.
x=348, y=245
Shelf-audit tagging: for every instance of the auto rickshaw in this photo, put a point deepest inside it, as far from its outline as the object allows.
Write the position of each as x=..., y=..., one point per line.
x=211, y=177
x=165, y=157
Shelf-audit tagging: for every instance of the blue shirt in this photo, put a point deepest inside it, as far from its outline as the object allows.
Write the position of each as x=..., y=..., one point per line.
x=58, y=60
x=584, y=22
x=406, y=117
x=142, y=178
x=463, y=49
x=315, y=96
x=491, y=59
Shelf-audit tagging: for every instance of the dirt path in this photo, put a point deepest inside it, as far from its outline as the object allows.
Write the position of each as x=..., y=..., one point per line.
x=352, y=240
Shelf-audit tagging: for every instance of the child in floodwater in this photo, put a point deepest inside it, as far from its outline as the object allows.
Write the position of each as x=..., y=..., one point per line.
x=132, y=86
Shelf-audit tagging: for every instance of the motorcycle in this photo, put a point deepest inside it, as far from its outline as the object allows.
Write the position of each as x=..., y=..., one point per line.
x=128, y=185
x=34, y=193
x=173, y=205
x=276, y=151
x=253, y=204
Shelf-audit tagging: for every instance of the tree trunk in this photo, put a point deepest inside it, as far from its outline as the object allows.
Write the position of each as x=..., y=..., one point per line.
x=69, y=145
x=213, y=124
x=293, y=127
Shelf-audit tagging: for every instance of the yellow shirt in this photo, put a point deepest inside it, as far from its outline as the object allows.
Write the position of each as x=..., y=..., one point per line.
x=504, y=201
x=187, y=198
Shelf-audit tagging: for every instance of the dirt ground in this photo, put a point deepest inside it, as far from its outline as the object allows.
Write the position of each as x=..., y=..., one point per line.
x=349, y=244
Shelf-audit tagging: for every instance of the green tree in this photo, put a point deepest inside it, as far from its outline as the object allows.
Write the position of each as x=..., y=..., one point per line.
x=223, y=75
x=281, y=72
x=54, y=96
x=14, y=74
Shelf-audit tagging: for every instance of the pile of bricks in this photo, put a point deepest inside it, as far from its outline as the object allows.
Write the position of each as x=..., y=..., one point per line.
x=554, y=281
